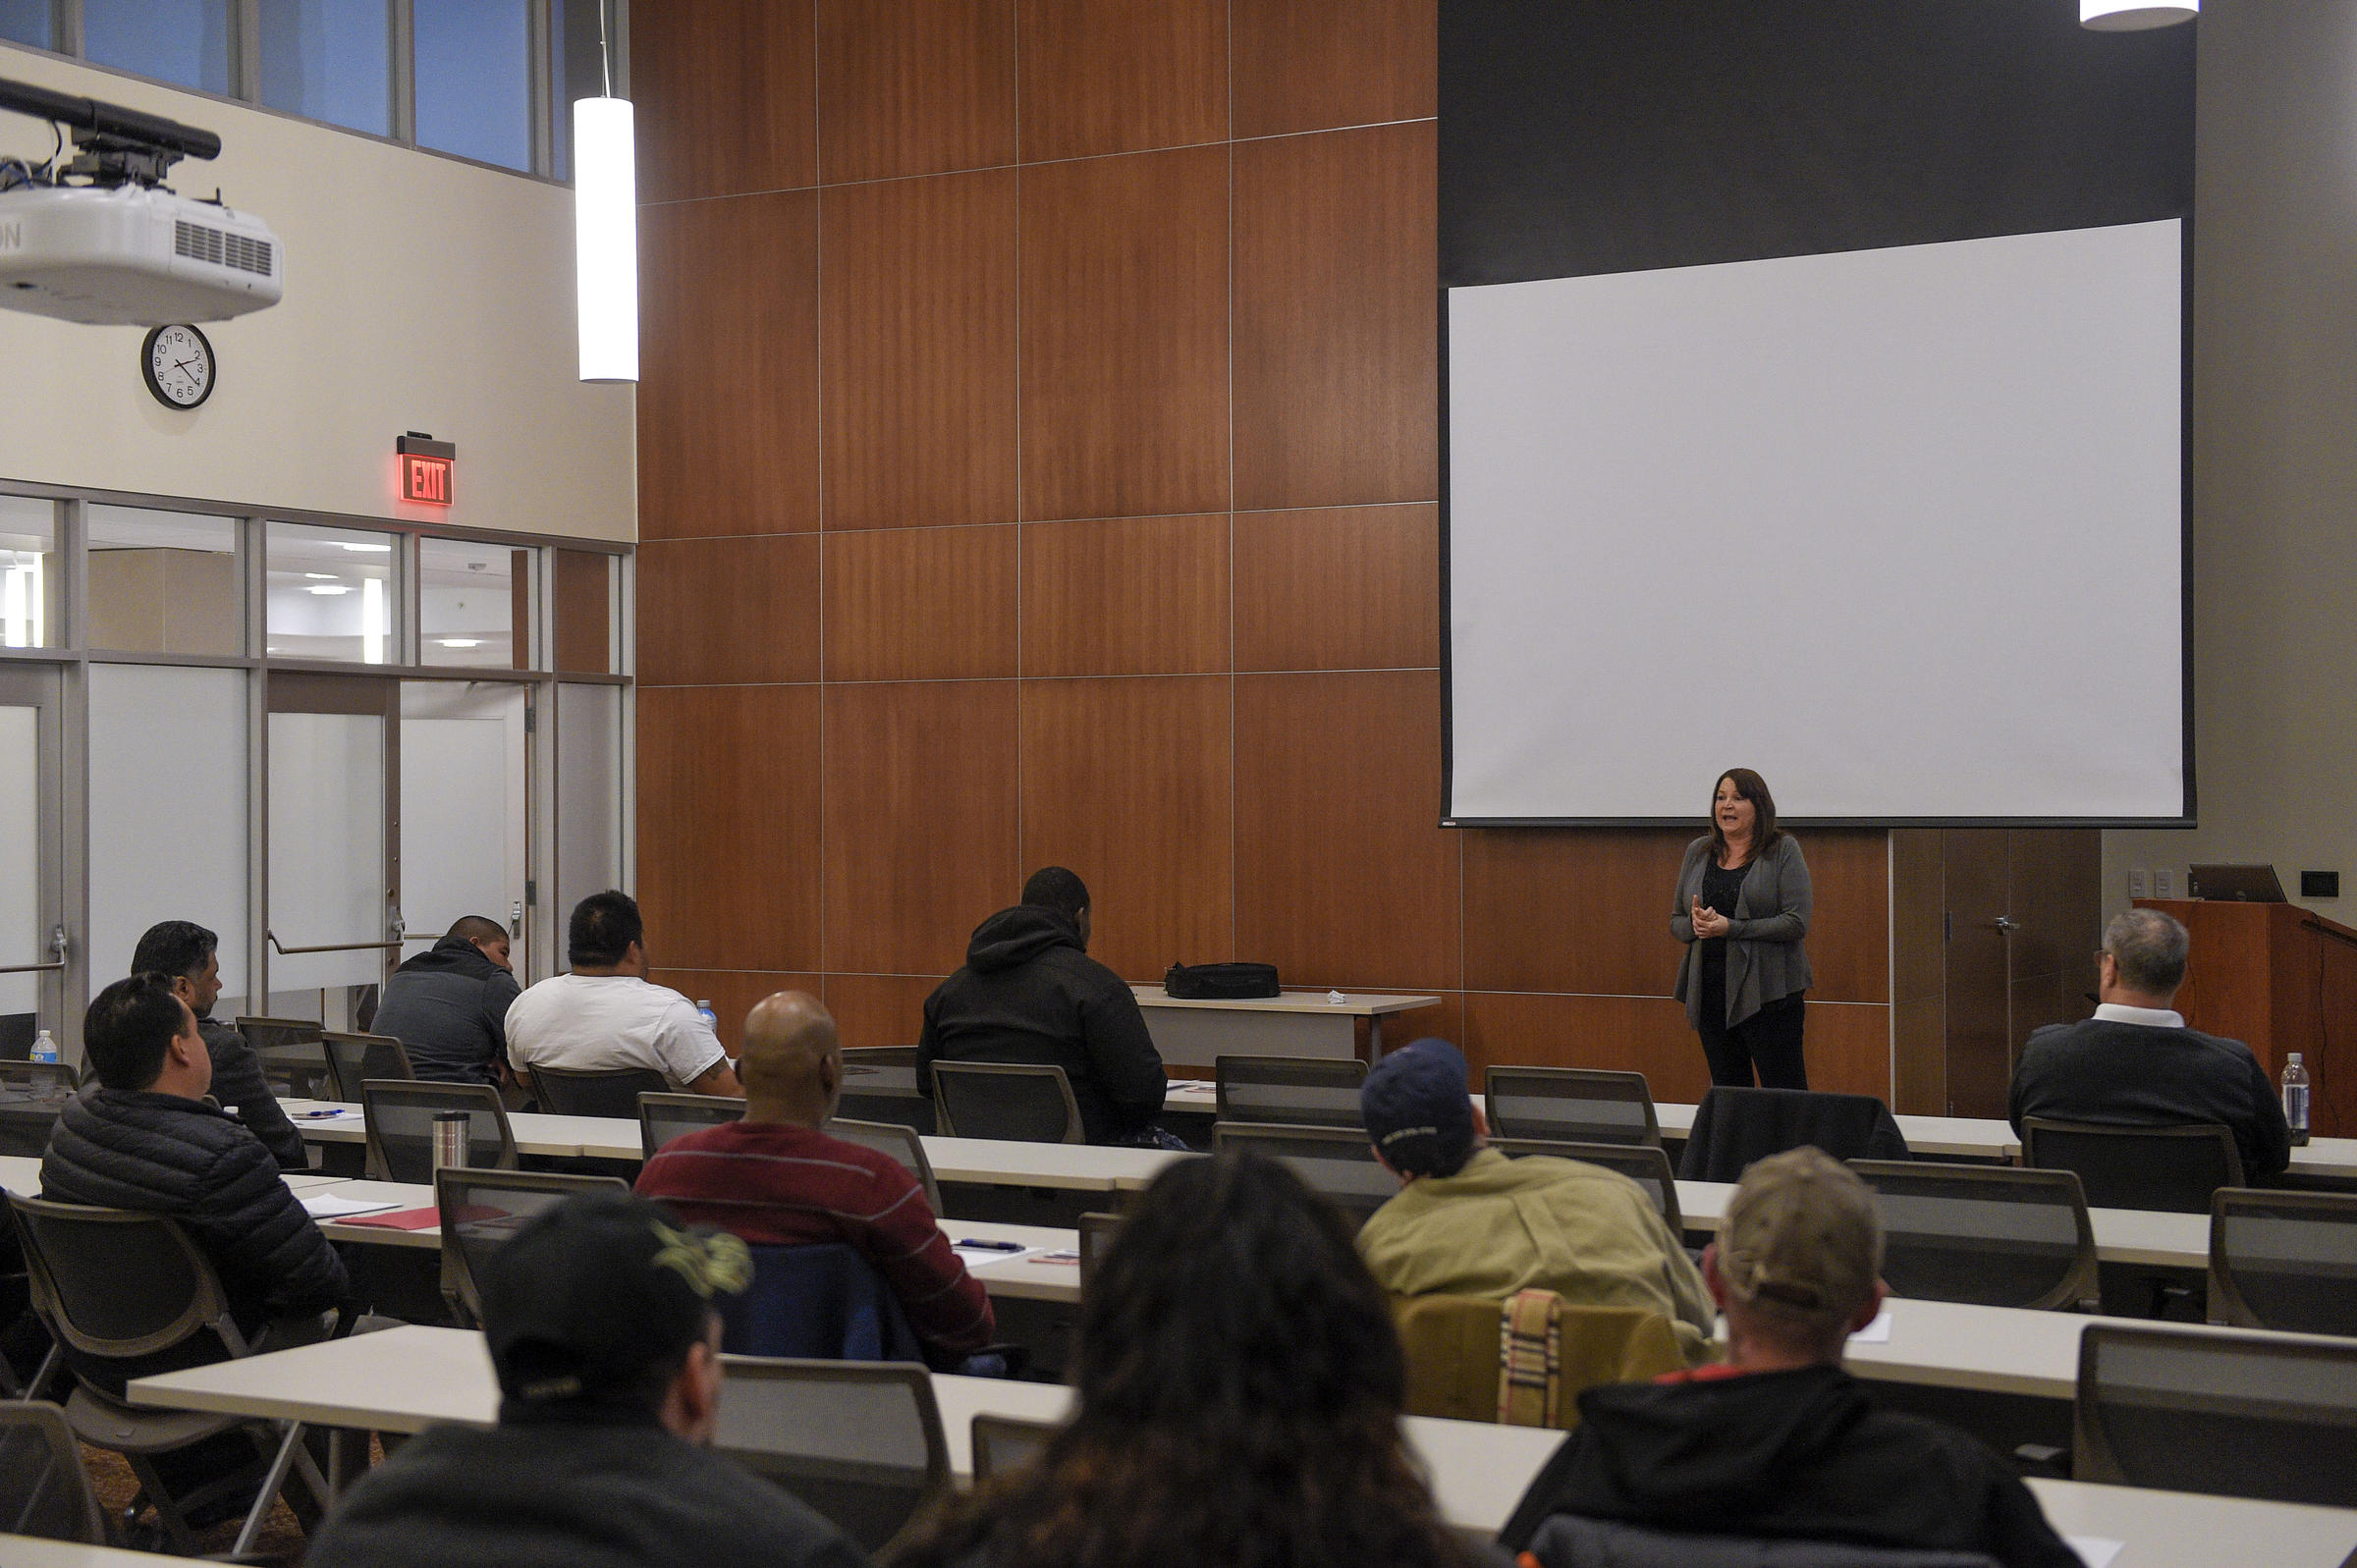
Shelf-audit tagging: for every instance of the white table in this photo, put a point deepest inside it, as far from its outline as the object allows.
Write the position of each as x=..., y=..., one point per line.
x=2144, y=1236
x=1293, y=1023
x=2182, y=1529
x=558, y=1137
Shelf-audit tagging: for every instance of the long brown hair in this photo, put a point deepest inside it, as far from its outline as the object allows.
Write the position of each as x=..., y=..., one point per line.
x=1239, y=1392
x=1754, y=788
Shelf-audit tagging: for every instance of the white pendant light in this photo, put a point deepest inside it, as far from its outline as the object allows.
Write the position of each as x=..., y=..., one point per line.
x=2134, y=15
x=605, y=228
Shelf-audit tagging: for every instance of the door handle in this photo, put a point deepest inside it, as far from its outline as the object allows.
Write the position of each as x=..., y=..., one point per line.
x=516, y=919
x=57, y=956
x=2009, y=925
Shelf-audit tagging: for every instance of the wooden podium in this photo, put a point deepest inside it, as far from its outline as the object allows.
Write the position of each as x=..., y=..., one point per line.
x=2279, y=979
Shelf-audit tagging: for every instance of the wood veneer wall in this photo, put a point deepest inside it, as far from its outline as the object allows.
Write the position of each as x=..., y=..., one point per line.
x=1038, y=464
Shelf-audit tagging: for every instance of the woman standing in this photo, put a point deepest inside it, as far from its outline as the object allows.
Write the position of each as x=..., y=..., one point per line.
x=1742, y=907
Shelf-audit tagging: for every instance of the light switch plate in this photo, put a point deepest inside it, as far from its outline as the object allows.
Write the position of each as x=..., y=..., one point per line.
x=2140, y=882
x=2164, y=883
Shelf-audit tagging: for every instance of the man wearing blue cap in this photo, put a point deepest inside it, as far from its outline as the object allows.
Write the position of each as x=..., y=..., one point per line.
x=1469, y=1221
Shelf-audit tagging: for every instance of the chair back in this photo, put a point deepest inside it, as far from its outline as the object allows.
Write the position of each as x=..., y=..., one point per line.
x=118, y=1285
x=1008, y=1442
x=400, y=1120
x=862, y=1443
x=1734, y=1126
x=662, y=1118
x=1641, y=1162
x=1571, y=1104
x=1988, y=1235
x=1457, y=1349
x=1096, y=1239
x=879, y=1084
x=570, y=1092
x=481, y=1212
x=819, y=1302
x=44, y=1491
x=2283, y=1260
x=1336, y=1162
x=2237, y=1415
x=1021, y=1102
x=294, y=1059
x=353, y=1060
x=1291, y=1091
x=2175, y=1168
x=898, y=1140
x=1567, y=1541
x=273, y=1034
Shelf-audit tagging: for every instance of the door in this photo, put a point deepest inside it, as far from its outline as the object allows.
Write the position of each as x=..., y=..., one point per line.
x=465, y=784
x=33, y=942
x=333, y=884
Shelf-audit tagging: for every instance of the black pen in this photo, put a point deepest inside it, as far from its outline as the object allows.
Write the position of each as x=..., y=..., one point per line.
x=990, y=1246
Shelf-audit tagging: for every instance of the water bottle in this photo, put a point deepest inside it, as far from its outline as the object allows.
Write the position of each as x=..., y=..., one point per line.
x=2295, y=1097
x=703, y=1011
x=44, y=1047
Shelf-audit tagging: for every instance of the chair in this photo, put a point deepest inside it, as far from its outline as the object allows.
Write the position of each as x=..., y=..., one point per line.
x=1733, y=1127
x=2175, y=1168
x=2283, y=1260
x=879, y=1084
x=1020, y=1101
x=353, y=1060
x=662, y=1118
x=898, y=1140
x=1336, y=1162
x=1571, y=1104
x=1096, y=1239
x=400, y=1120
x=129, y=1293
x=481, y=1212
x=1454, y=1345
x=44, y=1491
x=819, y=1301
x=1988, y=1235
x=1643, y=1164
x=1008, y=1442
x=570, y=1092
x=1293, y=1091
x=862, y=1443
x=1567, y=1541
x=2235, y=1415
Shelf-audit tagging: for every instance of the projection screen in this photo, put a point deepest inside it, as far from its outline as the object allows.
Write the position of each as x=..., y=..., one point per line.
x=1901, y=528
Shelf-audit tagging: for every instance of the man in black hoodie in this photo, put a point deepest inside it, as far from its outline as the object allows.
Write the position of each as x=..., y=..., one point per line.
x=190, y=955
x=1030, y=993
x=1780, y=1442
x=448, y=1006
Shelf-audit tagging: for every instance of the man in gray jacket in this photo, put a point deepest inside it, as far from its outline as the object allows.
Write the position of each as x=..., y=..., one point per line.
x=449, y=1006
x=190, y=957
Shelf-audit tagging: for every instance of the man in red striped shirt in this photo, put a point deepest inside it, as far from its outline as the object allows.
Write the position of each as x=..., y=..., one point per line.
x=775, y=1179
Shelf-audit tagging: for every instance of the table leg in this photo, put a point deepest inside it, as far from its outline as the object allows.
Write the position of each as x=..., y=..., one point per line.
x=1374, y=1038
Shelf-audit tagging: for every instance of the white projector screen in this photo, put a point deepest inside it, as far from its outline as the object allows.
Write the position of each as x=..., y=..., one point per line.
x=1903, y=529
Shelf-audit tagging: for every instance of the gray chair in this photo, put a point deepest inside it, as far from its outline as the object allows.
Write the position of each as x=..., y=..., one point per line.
x=1567, y=1541
x=1570, y=1105
x=44, y=1491
x=2174, y=1168
x=481, y=1212
x=570, y=1092
x=879, y=1084
x=1336, y=1162
x=1988, y=1235
x=898, y=1140
x=1018, y=1101
x=294, y=1058
x=860, y=1441
x=1291, y=1091
x=1643, y=1164
x=2283, y=1260
x=353, y=1060
x=2237, y=1414
x=662, y=1118
x=400, y=1117
x=1008, y=1442
x=1096, y=1239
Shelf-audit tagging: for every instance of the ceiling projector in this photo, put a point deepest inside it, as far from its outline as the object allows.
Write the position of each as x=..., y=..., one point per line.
x=102, y=241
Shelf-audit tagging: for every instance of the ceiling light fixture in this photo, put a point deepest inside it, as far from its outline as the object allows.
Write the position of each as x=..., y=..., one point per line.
x=360, y=549
x=2135, y=15
x=322, y=576
x=329, y=587
x=461, y=642
x=605, y=218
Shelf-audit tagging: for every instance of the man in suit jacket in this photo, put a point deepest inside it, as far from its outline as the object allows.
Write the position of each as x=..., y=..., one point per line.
x=2135, y=1063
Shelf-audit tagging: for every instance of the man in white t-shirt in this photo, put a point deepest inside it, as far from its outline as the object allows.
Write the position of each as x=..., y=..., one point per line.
x=605, y=1015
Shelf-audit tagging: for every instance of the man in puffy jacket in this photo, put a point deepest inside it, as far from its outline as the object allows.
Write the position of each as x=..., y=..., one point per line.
x=448, y=1006
x=1030, y=993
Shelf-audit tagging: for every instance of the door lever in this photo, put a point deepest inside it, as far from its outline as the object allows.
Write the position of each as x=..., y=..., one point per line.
x=516, y=919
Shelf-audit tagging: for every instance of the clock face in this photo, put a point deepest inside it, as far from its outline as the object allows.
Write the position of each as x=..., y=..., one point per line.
x=178, y=363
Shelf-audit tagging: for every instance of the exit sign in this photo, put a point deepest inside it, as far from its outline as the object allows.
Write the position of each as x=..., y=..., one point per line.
x=427, y=468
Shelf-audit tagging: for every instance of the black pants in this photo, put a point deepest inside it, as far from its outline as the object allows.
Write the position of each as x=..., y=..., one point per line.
x=1769, y=1039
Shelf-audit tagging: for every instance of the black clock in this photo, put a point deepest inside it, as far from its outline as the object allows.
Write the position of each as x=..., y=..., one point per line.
x=178, y=362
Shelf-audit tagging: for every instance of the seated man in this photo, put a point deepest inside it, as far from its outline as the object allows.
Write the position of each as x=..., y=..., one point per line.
x=2135, y=1063
x=600, y=1323
x=191, y=956
x=448, y=1006
x=777, y=1179
x=605, y=1015
x=1780, y=1442
x=1469, y=1221
x=1030, y=993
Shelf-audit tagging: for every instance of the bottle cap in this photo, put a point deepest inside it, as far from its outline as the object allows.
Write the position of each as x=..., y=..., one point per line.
x=2292, y=1058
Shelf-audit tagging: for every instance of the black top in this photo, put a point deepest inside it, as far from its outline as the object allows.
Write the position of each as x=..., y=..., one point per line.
x=242, y=1091
x=1722, y=885
x=2139, y=1075
x=448, y=1006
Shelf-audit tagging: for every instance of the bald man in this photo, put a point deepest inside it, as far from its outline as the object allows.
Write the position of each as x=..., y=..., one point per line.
x=777, y=1179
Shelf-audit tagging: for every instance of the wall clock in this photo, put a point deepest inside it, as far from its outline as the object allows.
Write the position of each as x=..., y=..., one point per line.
x=178, y=362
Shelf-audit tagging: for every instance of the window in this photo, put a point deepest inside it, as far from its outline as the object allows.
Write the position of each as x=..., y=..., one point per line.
x=473, y=604
x=183, y=41
x=576, y=68
x=330, y=60
x=28, y=582
x=329, y=594
x=27, y=21
x=475, y=74
x=163, y=581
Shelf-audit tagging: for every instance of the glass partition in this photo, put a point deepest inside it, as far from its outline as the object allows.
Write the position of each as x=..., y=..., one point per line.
x=19, y=871
x=589, y=794
x=464, y=792
x=329, y=594
x=327, y=853
x=28, y=556
x=163, y=581
x=474, y=603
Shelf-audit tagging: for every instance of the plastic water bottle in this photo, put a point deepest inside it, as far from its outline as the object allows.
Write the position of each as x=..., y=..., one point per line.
x=703, y=1011
x=2295, y=1097
x=44, y=1047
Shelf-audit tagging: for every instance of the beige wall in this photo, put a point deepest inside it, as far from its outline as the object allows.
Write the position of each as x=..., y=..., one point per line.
x=422, y=294
x=2274, y=460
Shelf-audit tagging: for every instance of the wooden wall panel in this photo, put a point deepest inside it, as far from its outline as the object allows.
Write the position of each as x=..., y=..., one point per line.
x=920, y=604
x=728, y=825
x=1114, y=75
x=1125, y=596
x=1127, y=782
x=1847, y=1047
x=583, y=594
x=1622, y=1034
x=732, y=992
x=1336, y=373
x=920, y=835
x=1341, y=876
x=881, y=1009
x=727, y=399
x=1587, y=912
x=1338, y=589
x=1313, y=64
x=918, y=351
x=1125, y=335
x=725, y=95
x=1849, y=931
x=728, y=611
x=914, y=86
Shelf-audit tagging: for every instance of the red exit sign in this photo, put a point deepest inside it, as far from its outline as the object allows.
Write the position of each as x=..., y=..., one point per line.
x=427, y=467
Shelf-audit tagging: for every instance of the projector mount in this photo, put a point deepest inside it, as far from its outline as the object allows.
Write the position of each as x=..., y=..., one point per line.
x=113, y=145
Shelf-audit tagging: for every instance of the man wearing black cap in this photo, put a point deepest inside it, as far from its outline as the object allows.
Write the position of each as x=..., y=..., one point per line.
x=1469, y=1222
x=600, y=1321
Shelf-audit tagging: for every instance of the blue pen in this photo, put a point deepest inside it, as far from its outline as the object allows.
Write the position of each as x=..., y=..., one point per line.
x=990, y=1246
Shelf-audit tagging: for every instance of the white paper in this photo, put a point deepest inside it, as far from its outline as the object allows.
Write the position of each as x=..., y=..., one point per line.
x=2094, y=1550
x=327, y=1206
x=1877, y=1332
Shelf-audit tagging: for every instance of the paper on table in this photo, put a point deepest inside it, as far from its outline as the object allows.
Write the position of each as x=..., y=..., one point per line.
x=977, y=1257
x=2094, y=1550
x=1877, y=1332
x=327, y=1206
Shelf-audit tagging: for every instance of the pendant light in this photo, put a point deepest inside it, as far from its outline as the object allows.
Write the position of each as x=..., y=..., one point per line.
x=2134, y=15
x=605, y=216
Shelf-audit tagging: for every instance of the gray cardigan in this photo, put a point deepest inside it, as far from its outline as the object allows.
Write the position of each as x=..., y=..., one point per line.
x=1764, y=959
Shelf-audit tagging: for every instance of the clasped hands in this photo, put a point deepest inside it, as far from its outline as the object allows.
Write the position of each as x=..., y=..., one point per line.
x=1708, y=922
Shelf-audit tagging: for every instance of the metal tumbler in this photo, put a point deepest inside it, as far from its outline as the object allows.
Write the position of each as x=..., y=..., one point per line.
x=450, y=1139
